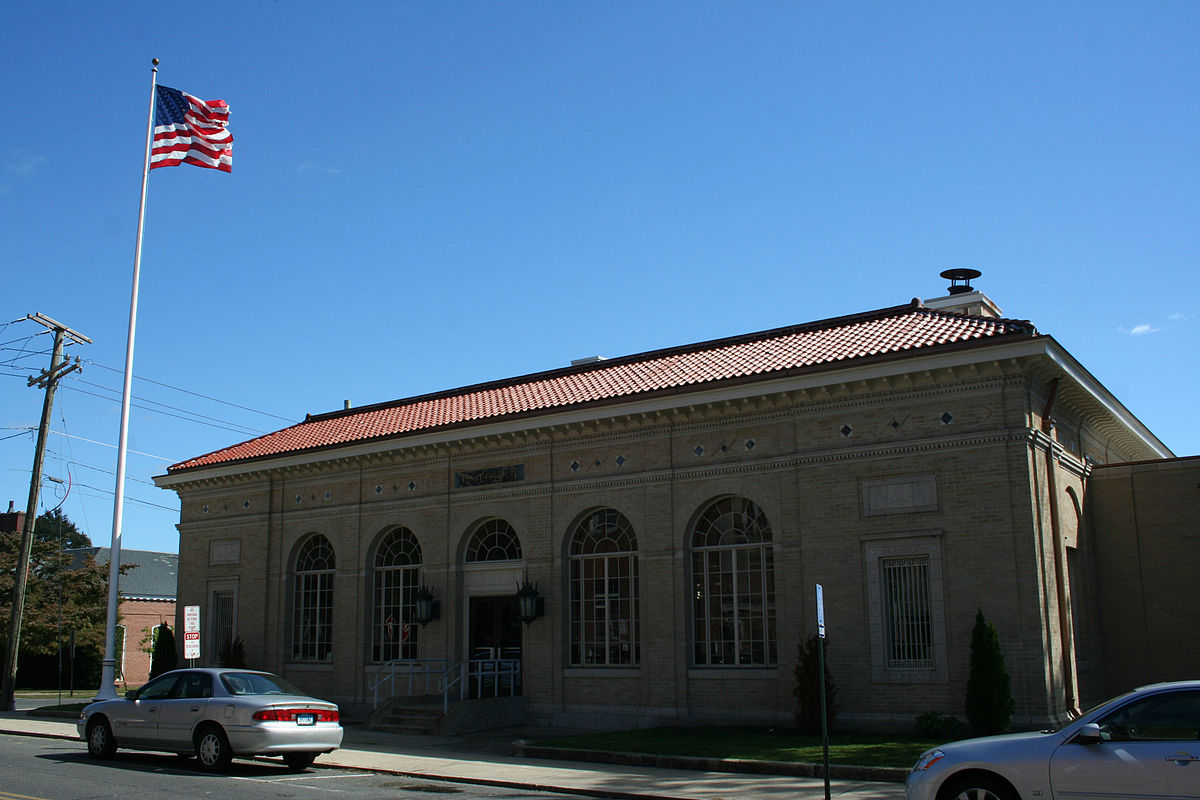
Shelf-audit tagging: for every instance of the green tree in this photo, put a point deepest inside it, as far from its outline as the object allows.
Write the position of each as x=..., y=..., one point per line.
x=989, y=695
x=54, y=527
x=60, y=596
x=807, y=690
x=164, y=658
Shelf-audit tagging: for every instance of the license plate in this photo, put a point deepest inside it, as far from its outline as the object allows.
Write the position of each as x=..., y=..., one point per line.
x=306, y=719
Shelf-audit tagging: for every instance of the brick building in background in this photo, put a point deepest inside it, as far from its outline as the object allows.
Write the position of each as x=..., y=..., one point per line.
x=674, y=510
x=145, y=599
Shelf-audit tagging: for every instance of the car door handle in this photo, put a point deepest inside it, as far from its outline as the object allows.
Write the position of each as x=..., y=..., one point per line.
x=195, y=708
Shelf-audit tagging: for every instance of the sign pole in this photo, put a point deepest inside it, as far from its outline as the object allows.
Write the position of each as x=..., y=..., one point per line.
x=821, y=678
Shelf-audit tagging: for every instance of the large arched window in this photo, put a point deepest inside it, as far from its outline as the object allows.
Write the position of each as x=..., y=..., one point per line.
x=604, y=591
x=494, y=540
x=393, y=595
x=734, y=576
x=312, y=625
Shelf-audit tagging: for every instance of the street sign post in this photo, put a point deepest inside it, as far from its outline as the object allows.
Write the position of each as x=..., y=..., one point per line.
x=191, y=632
x=821, y=678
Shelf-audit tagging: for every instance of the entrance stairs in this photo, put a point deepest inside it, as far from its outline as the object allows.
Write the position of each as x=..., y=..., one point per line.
x=409, y=715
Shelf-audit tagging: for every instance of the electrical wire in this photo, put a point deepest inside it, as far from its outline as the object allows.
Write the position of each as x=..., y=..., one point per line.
x=194, y=394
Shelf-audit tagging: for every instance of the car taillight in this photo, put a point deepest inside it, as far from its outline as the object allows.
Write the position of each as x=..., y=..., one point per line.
x=290, y=714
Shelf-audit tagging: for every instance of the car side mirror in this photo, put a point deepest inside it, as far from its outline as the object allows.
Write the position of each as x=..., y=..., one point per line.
x=132, y=694
x=1088, y=734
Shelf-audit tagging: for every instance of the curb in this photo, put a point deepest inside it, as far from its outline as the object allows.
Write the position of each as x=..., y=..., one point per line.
x=524, y=749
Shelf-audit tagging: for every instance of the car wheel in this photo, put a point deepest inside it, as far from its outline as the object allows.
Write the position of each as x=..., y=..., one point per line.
x=977, y=787
x=299, y=761
x=100, y=741
x=212, y=749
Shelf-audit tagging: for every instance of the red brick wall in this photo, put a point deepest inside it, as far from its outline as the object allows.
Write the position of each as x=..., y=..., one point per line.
x=138, y=617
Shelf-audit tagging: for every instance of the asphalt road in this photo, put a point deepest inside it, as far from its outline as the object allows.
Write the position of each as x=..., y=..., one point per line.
x=50, y=769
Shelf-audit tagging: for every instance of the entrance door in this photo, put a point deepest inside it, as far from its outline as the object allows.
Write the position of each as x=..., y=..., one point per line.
x=495, y=646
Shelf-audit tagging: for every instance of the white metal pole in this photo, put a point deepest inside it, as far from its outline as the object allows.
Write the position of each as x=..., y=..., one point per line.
x=108, y=671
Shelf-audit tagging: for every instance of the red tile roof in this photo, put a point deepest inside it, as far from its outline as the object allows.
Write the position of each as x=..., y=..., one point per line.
x=886, y=333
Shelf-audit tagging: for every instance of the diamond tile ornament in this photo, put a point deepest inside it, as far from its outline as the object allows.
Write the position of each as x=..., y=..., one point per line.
x=847, y=430
x=699, y=450
x=620, y=461
x=574, y=466
x=750, y=444
x=947, y=419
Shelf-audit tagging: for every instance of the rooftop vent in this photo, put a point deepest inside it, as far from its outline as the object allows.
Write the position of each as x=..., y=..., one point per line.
x=964, y=274
x=962, y=297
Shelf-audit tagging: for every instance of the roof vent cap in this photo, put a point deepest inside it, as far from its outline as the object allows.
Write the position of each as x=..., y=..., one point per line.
x=964, y=274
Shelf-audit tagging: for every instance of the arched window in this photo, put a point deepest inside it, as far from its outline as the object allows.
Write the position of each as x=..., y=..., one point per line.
x=312, y=625
x=604, y=591
x=396, y=576
x=734, y=576
x=494, y=540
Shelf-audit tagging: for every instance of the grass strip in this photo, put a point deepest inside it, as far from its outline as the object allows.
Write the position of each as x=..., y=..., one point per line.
x=759, y=744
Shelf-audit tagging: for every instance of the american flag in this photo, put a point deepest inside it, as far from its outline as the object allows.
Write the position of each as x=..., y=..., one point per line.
x=188, y=130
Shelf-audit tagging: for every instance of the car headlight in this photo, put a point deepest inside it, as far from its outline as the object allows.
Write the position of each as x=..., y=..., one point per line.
x=927, y=760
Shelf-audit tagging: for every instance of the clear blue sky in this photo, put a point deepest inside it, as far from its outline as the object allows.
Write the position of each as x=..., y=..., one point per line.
x=428, y=195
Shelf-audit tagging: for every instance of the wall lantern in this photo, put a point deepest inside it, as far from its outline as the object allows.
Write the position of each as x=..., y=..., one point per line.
x=427, y=608
x=530, y=604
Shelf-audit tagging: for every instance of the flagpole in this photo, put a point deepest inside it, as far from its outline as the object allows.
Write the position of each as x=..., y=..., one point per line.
x=108, y=668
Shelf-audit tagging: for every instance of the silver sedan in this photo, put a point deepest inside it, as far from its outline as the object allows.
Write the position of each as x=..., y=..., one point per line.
x=215, y=714
x=1145, y=744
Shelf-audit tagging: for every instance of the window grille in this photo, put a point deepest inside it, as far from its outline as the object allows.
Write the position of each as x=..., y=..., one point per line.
x=312, y=629
x=222, y=616
x=494, y=540
x=397, y=573
x=604, y=591
x=734, y=582
x=908, y=629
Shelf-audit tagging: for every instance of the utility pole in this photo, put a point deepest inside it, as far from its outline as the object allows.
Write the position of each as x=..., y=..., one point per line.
x=49, y=381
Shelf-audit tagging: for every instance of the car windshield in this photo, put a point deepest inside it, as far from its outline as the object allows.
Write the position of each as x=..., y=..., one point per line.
x=1089, y=711
x=256, y=683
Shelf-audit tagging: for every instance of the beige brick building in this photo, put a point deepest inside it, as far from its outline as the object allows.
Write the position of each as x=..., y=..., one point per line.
x=675, y=510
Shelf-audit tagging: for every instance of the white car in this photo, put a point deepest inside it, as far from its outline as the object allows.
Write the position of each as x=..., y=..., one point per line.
x=1145, y=744
x=215, y=714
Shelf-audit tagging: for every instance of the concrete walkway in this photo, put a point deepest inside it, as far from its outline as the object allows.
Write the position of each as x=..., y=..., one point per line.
x=488, y=759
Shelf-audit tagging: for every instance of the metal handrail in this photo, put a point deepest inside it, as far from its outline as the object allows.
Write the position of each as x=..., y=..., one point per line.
x=480, y=669
x=412, y=667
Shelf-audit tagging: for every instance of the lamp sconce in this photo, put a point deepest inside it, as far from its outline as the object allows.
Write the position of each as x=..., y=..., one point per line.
x=530, y=604
x=427, y=608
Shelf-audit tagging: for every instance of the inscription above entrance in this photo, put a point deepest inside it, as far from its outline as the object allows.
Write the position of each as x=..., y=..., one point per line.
x=485, y=477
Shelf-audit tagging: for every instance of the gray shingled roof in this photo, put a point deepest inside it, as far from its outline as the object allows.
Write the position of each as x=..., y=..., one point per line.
x=154, y=577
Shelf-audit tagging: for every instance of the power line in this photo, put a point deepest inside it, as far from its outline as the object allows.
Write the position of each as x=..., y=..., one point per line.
x=113, y=446
x=237, y=428
x=194, y=394
x=107, y=493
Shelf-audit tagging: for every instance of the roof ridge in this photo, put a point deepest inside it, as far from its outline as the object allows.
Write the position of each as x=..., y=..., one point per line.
x=631, y=358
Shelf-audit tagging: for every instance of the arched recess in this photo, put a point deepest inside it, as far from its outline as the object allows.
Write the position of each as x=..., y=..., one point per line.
x=602, y=556
x=493, y=568
x=730, y=541
x=313, y=571
x=395, y=577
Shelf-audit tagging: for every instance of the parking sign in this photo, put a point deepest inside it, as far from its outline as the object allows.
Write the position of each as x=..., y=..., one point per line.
x=191, y=632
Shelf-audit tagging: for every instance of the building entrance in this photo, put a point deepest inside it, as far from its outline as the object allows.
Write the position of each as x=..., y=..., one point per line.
x=495, y=646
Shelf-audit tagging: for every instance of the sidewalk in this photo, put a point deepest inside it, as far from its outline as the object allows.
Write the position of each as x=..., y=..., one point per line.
x=488, y=759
